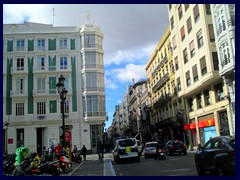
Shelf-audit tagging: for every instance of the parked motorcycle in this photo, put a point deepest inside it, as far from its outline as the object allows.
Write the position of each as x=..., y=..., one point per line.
x=76, y=157
x=65, y=163
x=36, y=167
x=9, y=166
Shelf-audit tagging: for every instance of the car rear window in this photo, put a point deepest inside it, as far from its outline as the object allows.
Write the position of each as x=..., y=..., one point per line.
x=151, y=145
x=127, y=142
x=232, y=143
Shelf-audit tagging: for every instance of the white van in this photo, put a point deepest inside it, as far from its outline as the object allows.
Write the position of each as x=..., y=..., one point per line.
x=126, y=149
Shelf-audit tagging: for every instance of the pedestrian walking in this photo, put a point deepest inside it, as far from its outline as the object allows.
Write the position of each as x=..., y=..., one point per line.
x=84, y=152
x=100, y=150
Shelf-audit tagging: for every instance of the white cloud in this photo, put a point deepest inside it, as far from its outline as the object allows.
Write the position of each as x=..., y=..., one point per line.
x=125, y=75
x=110, y=84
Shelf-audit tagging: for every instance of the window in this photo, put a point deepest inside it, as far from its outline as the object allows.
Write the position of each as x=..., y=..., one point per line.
x=186, y=6
x=188, y=79
x=182, y=33
x=189, y=25
x=192, y=49
x=91, y=81
x=19, y=86
x=90, y=60
x=200, y=39
x=172, y=22
x=41, y=44
x=41, y=108
x=215, y=60
x=180, y=13
x=63, y=43
x=176, y=63
x=89, y=40
x=190, y=104
x=195, y=73
x=185, y=55
x=221, y=22
x=95, y=105
x=207, y=97
x=196, y=13
x=41, y=85
x=179, y=84
x=208, y=9
x=225, y=54
x=19, y=109
x=211, y=33
x=20, y=45
x=203, y=65
x=20, y=64
x=199, y=101
x=219, y=92
x=41, y=63
x=52, y=106
x=63, y=62
x=174, y=42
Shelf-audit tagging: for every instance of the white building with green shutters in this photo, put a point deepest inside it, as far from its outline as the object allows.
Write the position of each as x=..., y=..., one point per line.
x=34, y=57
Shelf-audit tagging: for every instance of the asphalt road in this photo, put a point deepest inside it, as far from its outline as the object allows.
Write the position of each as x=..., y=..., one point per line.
x=175, y=165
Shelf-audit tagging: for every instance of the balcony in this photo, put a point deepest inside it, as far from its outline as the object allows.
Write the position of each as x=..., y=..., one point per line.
x=19, y=70
x=18, y=93
x=160, y=83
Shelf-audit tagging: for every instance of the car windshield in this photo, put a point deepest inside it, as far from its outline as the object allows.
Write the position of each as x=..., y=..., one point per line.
x=127, y=142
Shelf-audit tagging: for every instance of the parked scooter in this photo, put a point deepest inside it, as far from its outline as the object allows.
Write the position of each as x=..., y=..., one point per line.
x=65, y=163
x=162, y=154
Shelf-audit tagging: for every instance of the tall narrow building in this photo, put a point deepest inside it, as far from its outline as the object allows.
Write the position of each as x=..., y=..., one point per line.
x=197, y=72
x=224, y=29
x=34, y=57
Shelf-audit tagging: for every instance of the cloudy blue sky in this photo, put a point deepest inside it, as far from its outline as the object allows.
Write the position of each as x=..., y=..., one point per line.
x=131, y=33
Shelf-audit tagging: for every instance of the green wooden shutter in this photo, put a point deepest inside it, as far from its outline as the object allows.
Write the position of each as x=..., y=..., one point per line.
x=9, y=45
x=52, y=85
x=52, y=63
x=52, y=106
x=30, y=45
x=52, y=45
x=72, y=44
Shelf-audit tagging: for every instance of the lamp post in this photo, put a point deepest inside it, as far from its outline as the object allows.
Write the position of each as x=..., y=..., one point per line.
x=6, y=137
x=62, y=93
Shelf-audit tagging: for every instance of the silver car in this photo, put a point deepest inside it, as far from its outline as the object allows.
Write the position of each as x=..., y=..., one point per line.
x=150, y=149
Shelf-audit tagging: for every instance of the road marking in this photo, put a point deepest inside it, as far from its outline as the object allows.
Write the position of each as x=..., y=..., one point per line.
x=108, y=166
x=176, y=170
x=75, y=169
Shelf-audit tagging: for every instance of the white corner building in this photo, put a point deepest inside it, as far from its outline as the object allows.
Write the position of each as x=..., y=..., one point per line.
x=34, y=57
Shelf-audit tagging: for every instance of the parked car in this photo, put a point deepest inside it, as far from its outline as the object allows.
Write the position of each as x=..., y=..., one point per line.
x=150, y=149
x=217, y=156
x=175, y=146
x=140, y=147
x=126, y=149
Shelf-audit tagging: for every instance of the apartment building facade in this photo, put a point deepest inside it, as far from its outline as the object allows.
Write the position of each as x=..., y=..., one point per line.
x=197, y=72
x=166, y=109
x=223, y=16
x=34, y=57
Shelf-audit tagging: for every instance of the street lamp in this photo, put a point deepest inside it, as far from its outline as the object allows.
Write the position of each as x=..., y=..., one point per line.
x=6, y=137
x=63, y=94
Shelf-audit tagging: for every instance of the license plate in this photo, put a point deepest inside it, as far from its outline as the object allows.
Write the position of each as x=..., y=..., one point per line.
x=128, y=149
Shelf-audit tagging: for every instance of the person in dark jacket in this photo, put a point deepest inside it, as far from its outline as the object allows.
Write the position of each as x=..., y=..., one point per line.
x=84, y=152
x=157, y=149
x=100, y=150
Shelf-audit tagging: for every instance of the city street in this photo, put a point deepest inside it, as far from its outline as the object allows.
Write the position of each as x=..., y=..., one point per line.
x=176, y=165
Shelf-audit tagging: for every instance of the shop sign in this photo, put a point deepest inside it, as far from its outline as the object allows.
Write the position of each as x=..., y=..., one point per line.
x=206, y=123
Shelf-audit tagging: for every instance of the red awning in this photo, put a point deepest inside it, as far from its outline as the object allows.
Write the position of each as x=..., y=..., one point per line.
x=206, y=123
x=193, y=126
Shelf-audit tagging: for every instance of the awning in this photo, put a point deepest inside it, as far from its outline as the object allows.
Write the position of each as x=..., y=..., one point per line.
x=206, y=123
x=193, y=126
x=186, y=127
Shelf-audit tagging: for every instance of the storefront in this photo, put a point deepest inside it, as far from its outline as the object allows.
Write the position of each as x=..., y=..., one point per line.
x=206, y=128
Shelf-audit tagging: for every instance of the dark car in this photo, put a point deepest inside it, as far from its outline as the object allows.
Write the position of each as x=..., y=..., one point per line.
x=175, y=146
x=217, y=156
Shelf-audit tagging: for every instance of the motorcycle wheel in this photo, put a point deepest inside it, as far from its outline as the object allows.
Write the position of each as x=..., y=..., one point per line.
x=56, y=173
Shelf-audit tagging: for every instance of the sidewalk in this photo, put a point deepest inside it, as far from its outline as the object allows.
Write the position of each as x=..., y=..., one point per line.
x=92, y=167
